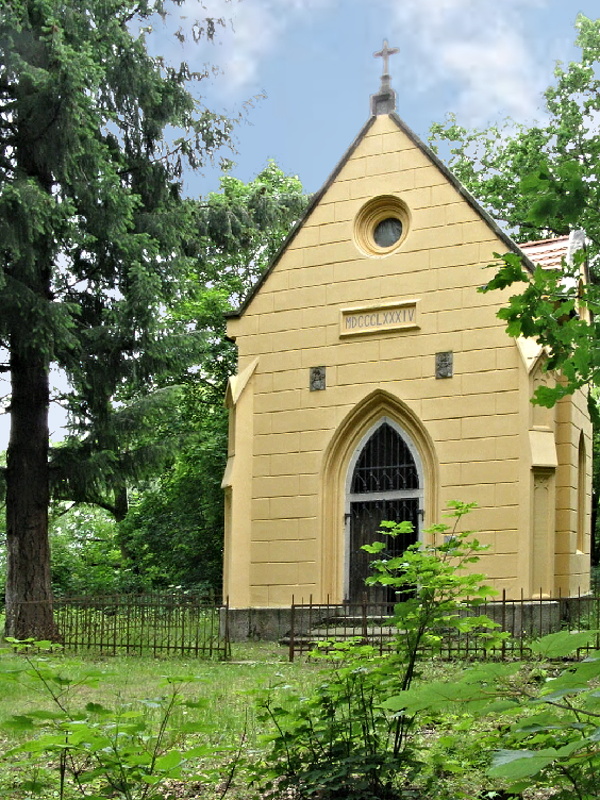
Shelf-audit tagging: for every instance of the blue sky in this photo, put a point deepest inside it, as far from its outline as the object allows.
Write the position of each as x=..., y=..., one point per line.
x=310, y=66
x=307, y=69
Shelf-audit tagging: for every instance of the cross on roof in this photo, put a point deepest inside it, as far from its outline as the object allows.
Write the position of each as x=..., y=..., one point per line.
x=385, y=53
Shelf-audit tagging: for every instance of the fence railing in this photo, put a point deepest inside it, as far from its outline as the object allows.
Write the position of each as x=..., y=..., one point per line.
x=148, y=624
x=524, y=619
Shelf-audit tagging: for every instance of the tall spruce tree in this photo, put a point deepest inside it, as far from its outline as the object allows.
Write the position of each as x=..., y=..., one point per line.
x=91, y=227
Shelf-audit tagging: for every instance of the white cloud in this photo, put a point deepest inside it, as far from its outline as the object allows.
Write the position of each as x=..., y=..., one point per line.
x=259, y=27
x=253, y=30
x=253, y=34
x=479, y=45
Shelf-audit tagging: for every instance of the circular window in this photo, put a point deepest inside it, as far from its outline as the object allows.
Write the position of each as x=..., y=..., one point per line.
x=387, y=232
x=381, y=225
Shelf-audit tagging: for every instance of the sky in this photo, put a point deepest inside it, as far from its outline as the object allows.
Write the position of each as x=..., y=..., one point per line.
x=300, y=72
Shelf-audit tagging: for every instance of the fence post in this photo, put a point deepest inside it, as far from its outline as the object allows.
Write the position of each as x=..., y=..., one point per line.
x=292, y=629
x=503, y=617
x=227, y=643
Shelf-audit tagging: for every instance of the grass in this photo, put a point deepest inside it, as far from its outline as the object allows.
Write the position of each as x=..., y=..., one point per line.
x=224, y=690
x=225, y=686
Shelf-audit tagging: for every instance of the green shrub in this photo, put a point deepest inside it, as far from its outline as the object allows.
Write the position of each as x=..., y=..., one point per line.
x=555, y=740
x=343, y=741
x=91, y=751
x=544, y=734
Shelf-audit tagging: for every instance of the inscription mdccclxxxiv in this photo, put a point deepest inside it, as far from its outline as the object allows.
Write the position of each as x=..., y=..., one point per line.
x=384, y=318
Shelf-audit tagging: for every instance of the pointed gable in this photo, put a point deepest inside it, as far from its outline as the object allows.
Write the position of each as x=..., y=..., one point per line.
x=386, y=157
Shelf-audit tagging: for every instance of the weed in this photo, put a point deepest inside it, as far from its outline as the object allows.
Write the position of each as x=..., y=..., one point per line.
x=344, y=740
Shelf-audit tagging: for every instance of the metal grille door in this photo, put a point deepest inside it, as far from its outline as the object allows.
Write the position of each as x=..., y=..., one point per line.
x=385, y=464
x=384, y=486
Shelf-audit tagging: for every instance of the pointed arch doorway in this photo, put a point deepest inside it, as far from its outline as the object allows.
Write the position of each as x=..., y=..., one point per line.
x=384, y=482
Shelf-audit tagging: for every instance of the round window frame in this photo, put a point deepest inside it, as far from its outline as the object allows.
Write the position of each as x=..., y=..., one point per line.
x=371, y=215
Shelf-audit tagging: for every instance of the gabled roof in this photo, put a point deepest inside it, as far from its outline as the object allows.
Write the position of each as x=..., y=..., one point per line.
x=468, y=197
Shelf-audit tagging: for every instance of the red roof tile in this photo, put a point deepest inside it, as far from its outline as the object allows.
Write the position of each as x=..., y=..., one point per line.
x=547, y=252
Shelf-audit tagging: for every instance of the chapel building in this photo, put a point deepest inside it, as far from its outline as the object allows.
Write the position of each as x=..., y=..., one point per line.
x=376, y=382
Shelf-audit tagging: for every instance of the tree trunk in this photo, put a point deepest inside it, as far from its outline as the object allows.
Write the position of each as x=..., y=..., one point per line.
x=121, y=500
x=29, y=602
x=29, y=611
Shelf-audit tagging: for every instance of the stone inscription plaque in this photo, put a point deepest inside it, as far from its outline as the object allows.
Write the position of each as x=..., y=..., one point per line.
x=387, y=317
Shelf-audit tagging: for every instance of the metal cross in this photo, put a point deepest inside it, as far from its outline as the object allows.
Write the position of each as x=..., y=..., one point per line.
x=385, y=54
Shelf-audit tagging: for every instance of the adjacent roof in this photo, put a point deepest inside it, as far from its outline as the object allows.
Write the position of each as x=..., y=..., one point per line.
x=549, y=253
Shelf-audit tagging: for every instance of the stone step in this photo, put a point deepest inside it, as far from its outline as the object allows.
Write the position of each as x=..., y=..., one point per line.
x=351, y=622
x=348, y=630
x=374, y=634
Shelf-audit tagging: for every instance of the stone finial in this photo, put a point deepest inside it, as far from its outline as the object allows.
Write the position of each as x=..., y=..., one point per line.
x=384, y=102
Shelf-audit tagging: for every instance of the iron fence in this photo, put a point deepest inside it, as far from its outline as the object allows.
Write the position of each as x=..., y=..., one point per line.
x=148, y=624
x=525, y=620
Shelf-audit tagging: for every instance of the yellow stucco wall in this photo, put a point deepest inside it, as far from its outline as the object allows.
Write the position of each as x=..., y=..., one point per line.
x=291, y=447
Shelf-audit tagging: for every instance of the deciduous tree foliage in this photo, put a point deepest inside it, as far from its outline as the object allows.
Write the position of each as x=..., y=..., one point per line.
x=173, y=533
x=545, y=181
x=91, y=224
x=237, y=232
x=540, y=180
